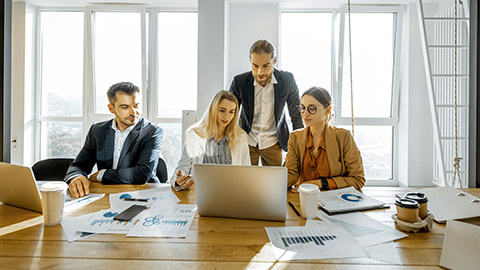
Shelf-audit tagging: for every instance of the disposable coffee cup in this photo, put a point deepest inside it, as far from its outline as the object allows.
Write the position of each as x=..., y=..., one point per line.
x=407, y=210
x=422, y=200
x=53, y=199
x=309, y=200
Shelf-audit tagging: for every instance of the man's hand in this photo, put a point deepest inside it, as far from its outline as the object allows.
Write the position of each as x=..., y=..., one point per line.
x=93, y=177
x=184, y=181
x=79, y=186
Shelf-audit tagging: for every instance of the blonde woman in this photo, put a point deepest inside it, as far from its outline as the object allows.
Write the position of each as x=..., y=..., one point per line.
x=322, y=154
x=217, y=139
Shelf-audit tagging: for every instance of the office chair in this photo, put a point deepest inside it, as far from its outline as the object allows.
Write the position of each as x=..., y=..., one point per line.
x=162, y=171
x=51, y=168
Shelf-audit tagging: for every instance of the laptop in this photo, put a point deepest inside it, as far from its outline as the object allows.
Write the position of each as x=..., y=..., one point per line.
x=19, y=188
x=249, y=192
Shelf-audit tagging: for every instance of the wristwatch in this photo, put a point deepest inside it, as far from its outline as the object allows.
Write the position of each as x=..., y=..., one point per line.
x=324, y=183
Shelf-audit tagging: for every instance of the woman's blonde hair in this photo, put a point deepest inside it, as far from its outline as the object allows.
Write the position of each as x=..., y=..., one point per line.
x=208, y=126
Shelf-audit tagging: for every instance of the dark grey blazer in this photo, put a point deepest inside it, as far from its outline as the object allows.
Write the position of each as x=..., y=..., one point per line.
x=138, y=160
x=286, y=90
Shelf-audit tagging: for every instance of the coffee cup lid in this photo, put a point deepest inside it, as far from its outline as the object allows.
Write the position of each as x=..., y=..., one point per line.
x=417, y=196
x=54, y=186
x=406, y=203
x=309, y=188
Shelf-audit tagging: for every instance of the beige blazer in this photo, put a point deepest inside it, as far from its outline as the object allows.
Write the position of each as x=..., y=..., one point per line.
x=344, y=159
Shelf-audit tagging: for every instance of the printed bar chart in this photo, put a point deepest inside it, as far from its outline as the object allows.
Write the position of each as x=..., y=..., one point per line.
x=312, y=242
x=101, y=222
x=175, y=223
x=317, y=239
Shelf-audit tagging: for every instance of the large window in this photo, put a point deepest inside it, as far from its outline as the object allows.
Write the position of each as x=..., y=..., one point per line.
x=117, y=54
x=61, y=83
x=176, y=77
x=315, y=47
x=156, y=50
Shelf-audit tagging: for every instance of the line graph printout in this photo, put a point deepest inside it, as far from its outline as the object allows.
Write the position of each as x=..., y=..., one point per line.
x=319, y=241
x=103, y=222
x=363, y=228
x=163, y=196
x=171, y=221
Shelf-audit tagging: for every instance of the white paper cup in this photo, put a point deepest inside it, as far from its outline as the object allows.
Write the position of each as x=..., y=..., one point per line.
x=53, y=199
x=309, y=200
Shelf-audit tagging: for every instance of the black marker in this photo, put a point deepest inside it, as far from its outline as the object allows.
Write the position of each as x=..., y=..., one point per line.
x=294, y=209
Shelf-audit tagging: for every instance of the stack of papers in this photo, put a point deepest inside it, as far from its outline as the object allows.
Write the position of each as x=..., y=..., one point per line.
x=342, y=236
x=347, y=200
x=163, y=218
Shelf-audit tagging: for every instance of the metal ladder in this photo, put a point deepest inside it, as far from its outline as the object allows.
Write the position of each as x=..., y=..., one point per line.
x=437, y=36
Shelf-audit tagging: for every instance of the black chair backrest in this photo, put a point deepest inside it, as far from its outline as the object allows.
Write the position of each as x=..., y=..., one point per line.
x=162, y=171
x=51, y=169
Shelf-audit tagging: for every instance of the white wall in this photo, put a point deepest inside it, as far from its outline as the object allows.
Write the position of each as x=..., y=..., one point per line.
x=415, y=127
x=246, y=24
x=211, y=51
x=18, y=80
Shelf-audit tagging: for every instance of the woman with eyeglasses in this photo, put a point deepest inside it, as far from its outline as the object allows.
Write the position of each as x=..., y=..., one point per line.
x=322, y=154
x=216, y=139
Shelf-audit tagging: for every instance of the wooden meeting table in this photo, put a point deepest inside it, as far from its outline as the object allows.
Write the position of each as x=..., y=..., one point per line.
x=211, y=243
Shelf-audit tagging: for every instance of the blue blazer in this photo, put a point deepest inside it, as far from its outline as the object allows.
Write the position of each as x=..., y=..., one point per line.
x=286, y=91
x=138, y=160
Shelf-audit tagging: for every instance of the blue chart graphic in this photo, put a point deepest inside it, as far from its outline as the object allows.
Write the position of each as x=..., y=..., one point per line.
x=175, y=223
x=110, y=214
x=351, y=197
x=125, y=196
x=101, y=222
x=319, y=240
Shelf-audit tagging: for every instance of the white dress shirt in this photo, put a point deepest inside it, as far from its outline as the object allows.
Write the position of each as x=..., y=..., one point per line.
x=120, y=137
x=263, y=131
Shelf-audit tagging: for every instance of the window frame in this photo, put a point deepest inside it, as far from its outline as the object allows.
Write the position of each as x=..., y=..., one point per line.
x=38, y=91
x=338, y=38
x=89, y=70
x=149, y=58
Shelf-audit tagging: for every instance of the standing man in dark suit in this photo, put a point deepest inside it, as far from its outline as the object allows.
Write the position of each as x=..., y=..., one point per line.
x=126, y=148
x=262, y=93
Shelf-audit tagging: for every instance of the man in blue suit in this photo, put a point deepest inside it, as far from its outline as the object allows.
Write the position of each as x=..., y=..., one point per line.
x=262, y=93
x=126, y=148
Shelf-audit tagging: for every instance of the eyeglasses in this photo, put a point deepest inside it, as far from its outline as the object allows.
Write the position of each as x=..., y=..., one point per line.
x=310, y=109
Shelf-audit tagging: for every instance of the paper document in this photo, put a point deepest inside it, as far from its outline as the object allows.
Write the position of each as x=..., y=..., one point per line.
x=447, y=203
x=346, y=200
x=386, y=252
x=103, y=222
x=364, y=229
x=460, y=246
x=313, y=242
x=171, y=221
x=163, y=196
x=69, y=226
x=72, y=204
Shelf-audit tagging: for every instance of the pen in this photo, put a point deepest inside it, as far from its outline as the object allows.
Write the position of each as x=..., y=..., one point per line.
x=294, y=209
x=135, y=200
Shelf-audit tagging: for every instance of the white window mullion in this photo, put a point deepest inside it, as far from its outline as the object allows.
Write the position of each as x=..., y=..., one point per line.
x=152, y=95
x=144, y=86
x=88, y=93
x=340, y=67
x=38, y=85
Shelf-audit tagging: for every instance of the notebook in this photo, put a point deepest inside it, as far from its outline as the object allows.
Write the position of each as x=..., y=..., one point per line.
x=249, y=192
x=346, y=200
